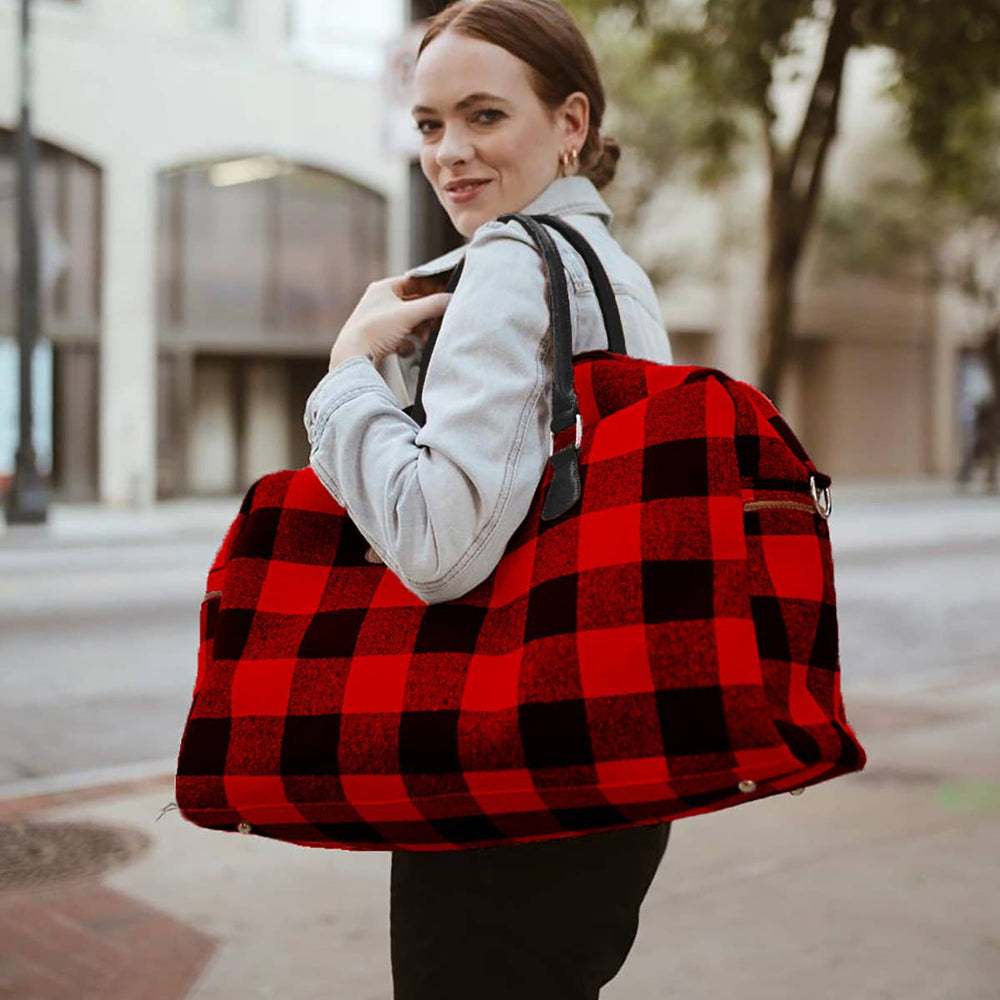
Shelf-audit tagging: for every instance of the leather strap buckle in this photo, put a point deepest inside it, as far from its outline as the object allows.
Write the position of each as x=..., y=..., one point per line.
x=579, y=435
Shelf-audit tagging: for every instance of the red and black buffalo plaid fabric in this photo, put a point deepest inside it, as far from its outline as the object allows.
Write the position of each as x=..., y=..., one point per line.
x=667, y=647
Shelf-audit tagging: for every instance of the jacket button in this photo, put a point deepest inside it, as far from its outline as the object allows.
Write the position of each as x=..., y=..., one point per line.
x=797, y=791
x=244, y=828
x=747, y=787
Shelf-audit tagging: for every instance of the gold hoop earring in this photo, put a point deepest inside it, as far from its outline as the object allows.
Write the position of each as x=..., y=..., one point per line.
x=568, y=159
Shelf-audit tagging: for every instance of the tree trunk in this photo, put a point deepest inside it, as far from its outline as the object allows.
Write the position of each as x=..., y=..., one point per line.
x=779, y=303
x=796, y=181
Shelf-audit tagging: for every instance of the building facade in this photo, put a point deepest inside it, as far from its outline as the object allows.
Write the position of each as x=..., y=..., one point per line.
x=219, y=195
x=219, y=180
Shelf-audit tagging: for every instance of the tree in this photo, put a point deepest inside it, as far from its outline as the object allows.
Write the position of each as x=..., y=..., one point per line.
x=731, y=55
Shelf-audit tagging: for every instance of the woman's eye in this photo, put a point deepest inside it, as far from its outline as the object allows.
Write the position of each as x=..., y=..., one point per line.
x=427, y=125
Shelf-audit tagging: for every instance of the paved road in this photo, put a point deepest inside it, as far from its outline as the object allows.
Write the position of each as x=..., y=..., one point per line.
x=98, y=646
x=98, y=643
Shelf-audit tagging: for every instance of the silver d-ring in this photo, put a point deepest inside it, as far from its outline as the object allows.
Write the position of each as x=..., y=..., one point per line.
x=822, y=500
x=579, y=435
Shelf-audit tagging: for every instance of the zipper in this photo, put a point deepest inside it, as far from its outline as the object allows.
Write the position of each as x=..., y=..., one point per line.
x=779, y=505
x=212, y=593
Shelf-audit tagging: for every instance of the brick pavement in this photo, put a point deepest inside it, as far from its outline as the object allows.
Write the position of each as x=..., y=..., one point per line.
x=78, y=939
x=85, y=941
x=880, y=886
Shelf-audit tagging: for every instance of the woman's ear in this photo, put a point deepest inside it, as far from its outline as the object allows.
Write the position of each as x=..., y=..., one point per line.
x=575, y=118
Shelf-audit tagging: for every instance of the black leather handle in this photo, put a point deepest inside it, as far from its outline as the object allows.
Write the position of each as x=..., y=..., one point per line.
x=565, y=488
x=416, y=408
x=602, y=284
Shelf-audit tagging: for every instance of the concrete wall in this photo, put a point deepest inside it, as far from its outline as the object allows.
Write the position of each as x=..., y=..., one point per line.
x=132, y=87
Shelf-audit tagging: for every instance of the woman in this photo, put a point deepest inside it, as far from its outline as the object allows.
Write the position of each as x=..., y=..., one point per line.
x=509, y=104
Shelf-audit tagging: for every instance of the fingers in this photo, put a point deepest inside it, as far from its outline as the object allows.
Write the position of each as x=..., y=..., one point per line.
x=427, y=308
x=419, y=335
x=422, y=331
x=398, y=314
x=427, y=333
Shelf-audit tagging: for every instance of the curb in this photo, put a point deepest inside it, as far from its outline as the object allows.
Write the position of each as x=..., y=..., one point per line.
x=22, y=797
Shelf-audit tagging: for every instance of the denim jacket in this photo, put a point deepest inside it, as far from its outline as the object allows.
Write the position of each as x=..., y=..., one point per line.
x=439, y=503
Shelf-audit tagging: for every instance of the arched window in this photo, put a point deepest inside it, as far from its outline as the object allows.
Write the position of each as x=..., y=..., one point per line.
x=258, y=251
x=68, y=209
x=260, y=263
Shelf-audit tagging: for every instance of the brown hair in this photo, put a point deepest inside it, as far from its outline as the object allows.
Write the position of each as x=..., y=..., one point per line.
x=544, y=35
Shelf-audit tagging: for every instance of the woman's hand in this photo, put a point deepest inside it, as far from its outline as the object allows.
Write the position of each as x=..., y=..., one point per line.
x=390, y=313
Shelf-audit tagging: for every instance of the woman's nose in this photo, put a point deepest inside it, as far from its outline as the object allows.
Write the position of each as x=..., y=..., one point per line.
x=453, y=148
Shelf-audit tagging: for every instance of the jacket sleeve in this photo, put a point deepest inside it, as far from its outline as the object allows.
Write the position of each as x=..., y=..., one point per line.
x=440, y=502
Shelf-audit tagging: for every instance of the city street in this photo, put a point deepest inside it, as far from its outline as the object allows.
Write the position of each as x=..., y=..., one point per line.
x=207, y=209
x=99, y=651
x=98, y=641
x=881, y=886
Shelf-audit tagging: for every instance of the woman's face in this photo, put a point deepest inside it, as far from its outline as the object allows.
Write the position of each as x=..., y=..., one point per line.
x=480, y=119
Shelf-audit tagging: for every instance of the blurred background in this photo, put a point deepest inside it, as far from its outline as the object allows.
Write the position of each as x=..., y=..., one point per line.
x=216, y=181
x=194, y=195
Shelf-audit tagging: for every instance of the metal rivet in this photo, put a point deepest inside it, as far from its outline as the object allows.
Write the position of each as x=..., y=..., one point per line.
x=244, y=828
x=748, y=786
x=796, y=791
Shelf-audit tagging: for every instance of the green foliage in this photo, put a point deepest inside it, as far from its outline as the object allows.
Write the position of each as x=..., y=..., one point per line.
x=903, y=212
x=880, y=233
x=948, y=58
x=722, y=58
x=693, y=84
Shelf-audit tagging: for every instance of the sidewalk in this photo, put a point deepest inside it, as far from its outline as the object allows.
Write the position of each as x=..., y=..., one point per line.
x=92, y=523
x=866, y=514
x=879, y=886
x=877, y=515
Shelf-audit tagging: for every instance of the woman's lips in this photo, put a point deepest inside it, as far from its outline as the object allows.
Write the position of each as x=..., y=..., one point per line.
x=464, y=194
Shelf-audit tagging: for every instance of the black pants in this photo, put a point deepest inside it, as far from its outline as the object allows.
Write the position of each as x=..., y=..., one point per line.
x=552, y=920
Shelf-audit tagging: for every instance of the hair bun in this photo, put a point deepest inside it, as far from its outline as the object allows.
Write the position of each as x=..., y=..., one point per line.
x=603, y=170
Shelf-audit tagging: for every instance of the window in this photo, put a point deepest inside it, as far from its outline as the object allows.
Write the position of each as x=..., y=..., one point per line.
x=345, y=38
x=259, y=250
x=68, y=211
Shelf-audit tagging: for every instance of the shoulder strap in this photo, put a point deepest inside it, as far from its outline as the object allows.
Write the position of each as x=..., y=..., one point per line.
x=602, y=286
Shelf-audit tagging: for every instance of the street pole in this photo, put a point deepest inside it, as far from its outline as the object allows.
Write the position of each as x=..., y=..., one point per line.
x=27, y=499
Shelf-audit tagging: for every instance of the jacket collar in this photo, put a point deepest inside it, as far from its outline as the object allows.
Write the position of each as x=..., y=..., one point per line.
x=575, y=195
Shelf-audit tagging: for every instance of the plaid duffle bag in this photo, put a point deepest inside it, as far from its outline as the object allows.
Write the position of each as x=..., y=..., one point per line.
x=658, y=640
